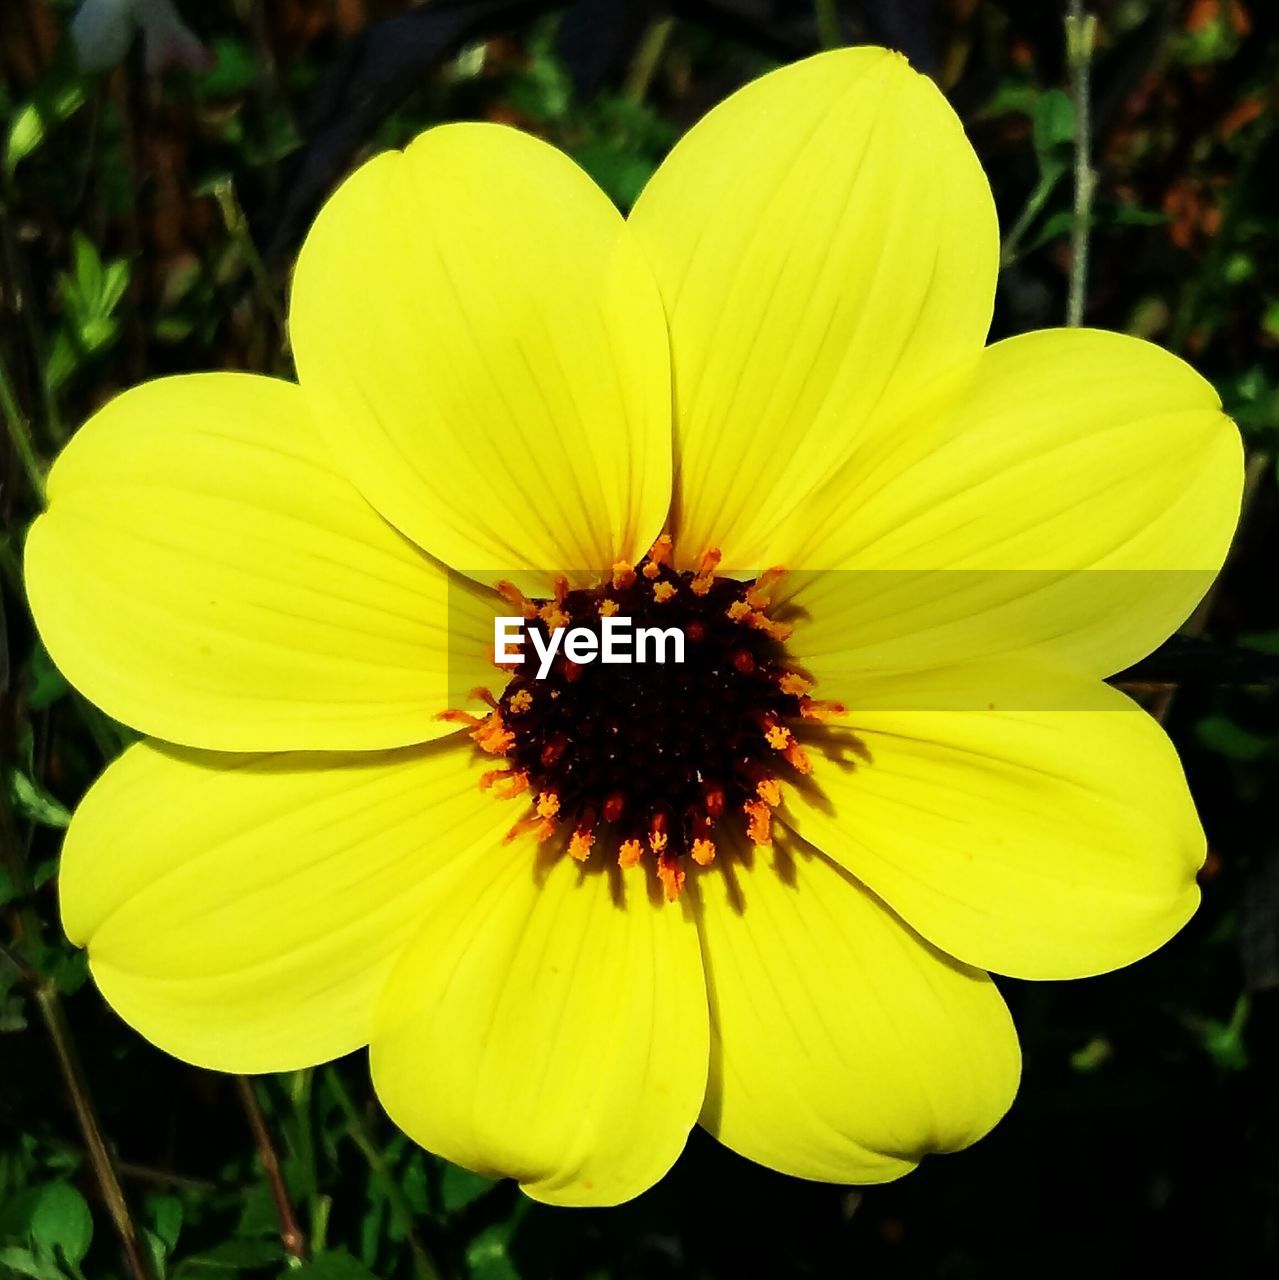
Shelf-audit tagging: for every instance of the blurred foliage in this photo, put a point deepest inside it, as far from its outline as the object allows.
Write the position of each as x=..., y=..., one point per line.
x=148, y=216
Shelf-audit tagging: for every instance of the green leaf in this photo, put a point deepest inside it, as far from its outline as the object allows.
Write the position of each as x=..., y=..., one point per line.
x=1053, y=128
x=1222, y=735
x=62, y=1223
x=34, y=802
x=22, y=1262
x=1224, y=1040
x=487, y=1256
x=33, y=120
x=232, y=1256
x=46, y=682
x=166, y=1219
x=8, y=890
x=336, y=1264
x=460, y=1187
x=234, y=72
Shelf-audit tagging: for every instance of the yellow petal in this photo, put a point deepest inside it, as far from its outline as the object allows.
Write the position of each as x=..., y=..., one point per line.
x=1079, y=505
x=843, y=1047
x=243, y=912
x=483, y=345
x=548, y=1025
x=205, y=574
x=826, y=247
x=1038, y=843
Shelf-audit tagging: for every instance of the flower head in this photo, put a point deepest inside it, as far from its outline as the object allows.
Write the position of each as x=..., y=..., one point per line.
x=574, y=916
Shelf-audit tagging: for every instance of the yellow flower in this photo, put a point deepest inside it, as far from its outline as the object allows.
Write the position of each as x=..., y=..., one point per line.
x=766, y=898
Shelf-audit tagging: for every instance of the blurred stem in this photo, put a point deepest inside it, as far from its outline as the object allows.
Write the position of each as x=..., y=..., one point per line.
x=1081, y=38
x=424, y=1266
x=19, y=431
x=237, y=226
x=55, y=1021
x=647, y=59
x=1034, y=206
x=828, y=25
x=290, y=1233
x=19, y=282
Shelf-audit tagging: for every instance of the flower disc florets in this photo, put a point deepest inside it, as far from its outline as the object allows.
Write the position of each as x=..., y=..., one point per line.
x=654, y=757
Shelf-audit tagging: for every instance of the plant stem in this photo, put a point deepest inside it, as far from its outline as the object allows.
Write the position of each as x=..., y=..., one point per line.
x=55, y=1021
x=1033, y=207
x=1081, y=36
x=237, y=226
x=647, y=59
x=424, y=1267
x=290, y=1233
x=20, y=434
x=828, y=25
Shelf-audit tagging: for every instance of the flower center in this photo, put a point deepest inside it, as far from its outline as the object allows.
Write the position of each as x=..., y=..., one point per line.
x=653, y=757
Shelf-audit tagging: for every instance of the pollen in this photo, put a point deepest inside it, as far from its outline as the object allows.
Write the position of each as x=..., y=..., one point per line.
x=672, y=877
x=769, y=791
x=759, y=822
x=629, y=853
x=658, y=763
x=579, y=846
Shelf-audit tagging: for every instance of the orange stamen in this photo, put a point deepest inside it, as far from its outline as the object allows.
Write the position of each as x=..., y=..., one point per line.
x=769, y=791
x=553, y=615
x=671, y=875
x=703, y=851
x=766, y=581
x=520, y=702
x=541, y=828
x=797, y=758
x=608, y=608
x=492, y=735
x=777, y=630
x=516, y=598
x=454, y=716
x=623, y=575
x=817, y=709
x=759, y=822
x=662, y=551
x=579, y=847
x=738, y=611
x=504, y=783
x=794, y=684
x=629, y=853
x=548, y=804
x=663, y=592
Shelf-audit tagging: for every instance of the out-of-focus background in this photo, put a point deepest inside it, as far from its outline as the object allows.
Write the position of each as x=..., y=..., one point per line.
x=158, y=168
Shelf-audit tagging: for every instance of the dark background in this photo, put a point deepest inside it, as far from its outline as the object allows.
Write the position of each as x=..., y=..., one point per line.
x=148, y=219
